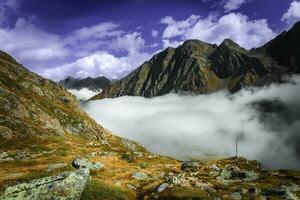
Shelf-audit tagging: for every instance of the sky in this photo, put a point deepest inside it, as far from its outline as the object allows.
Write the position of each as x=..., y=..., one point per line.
x=82, y=38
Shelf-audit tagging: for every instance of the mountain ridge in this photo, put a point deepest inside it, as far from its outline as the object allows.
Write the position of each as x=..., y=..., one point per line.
x=198, y=67
x=95, y=84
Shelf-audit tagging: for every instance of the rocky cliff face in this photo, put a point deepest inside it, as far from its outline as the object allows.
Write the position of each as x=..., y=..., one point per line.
x=197, y=67
x=34, y=106
x=94, y=84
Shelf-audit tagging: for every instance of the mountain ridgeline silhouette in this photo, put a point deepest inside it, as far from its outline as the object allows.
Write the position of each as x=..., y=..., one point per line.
x=197, y=67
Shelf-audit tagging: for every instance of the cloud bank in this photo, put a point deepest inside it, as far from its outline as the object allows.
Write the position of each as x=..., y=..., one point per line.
x=84, y=93
x=213, y=29
x=187, y=127
x=292, y=15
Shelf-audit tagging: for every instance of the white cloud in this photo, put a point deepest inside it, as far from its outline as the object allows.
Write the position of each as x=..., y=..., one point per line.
x=236, y=26
x=231, y=5
x=84, y=93
x=292, y=15
x=131, y=42
x=177, y=28
x=100, y=30
x=98, y=64
x=80, y=53
x=207, y=125
x=29, y=43
x=154, y=33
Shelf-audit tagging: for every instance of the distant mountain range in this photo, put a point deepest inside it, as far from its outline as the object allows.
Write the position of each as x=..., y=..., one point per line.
x=198, y=67
x=95, y=84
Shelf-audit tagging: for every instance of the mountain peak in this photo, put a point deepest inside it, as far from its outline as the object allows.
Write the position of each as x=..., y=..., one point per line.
x=229, y=43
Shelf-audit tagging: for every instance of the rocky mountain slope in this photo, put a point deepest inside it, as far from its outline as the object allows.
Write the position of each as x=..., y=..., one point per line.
x=95, y=84
x=51, y=149
x=198, y=67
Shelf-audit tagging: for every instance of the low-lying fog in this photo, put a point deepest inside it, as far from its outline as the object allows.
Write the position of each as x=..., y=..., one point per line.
x=84, y=93
x=188, y=127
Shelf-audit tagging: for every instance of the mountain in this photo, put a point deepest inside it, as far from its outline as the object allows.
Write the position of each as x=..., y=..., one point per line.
x=198, y=67
x=95, y=84
x=34, y=106
x=51, y=149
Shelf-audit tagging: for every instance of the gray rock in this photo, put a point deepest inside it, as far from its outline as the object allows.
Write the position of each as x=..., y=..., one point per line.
x=236, y=196
x=129, y=144
x=54, y=166
x=132, y=187
x=139, y=176
x=215, y=167
x=206, y=186
x=60, y=187
x=162, y=187
x=93, y=154
x=190, y=166
x=4, y=156
x=79, y=163
x=5, y=133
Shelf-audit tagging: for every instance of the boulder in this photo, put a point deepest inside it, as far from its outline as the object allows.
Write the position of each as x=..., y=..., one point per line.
x=60, y=187
x=162, y=187
x=190, y=166
x=139, y=175
x=5, y=133
x=79, y=163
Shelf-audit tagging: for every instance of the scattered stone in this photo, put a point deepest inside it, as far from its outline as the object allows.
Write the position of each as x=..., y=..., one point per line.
x=151, y=156
x=139, y=175
x=138, y=154
x=213, y=174
x=106, y=154
x=180, y=179
x=93, y=144
x=54, y=166
x=4, y=156
x=5, y=133
x=20, y=155
x=94, y=154
x=132, y=187
x=79, y=163
x=162, y=187
x=206, y=186
x=63, y=186
x=236, y=196
x=190, y=166
x=129, y=144
x=233, y=172
x=215, y=167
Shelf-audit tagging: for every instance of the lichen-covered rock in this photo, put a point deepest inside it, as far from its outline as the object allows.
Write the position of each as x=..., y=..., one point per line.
x=79, y=163
x=162, y=187
x=190, y=166
x=139, y=176
x=60, y=187
x=5, y=133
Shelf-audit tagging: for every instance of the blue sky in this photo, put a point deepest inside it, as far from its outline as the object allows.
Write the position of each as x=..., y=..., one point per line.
x=84, y=38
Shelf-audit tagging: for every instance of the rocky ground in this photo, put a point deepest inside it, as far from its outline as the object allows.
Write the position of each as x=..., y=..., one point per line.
x=96, y=170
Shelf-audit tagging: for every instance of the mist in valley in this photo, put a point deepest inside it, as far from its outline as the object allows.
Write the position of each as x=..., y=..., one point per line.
x=265, y=120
